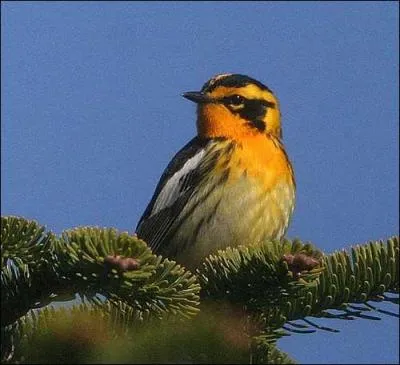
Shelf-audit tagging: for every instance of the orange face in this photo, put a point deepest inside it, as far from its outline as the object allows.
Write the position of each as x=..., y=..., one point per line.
x=238, y=112
x=238, y=108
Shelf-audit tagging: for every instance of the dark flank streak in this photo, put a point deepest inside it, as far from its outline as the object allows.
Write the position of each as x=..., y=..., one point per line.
x=230, y=148
x=213, y=212
x=168, y=221
x=197, y=229
x=224, y=164
x=226, y=154
x=189, y=212
x=224, y=177
x=279, y=145
x=211, y=163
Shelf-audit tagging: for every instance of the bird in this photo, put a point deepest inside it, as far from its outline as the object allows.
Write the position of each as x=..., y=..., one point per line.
x=232, y=184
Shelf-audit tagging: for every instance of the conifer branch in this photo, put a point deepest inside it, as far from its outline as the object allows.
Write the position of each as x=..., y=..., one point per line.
x=371, y=270
x=258, y=277
x=251, y=295
x=27, y=252
x=89, y=261
x=91, y=333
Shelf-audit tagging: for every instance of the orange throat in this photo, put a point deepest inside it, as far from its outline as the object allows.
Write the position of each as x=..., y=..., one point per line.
x=263, y=157
x=217, y=121
x=259, y=154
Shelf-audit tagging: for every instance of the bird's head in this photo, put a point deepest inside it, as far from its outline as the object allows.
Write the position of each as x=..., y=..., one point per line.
x=236, y=106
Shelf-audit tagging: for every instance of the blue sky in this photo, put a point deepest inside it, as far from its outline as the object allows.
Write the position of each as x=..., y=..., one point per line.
x=91, y=114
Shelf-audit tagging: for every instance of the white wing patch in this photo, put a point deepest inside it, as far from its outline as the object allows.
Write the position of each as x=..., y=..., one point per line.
x=172, y=188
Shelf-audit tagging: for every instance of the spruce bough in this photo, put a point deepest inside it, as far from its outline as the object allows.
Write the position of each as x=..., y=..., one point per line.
x=232, y=309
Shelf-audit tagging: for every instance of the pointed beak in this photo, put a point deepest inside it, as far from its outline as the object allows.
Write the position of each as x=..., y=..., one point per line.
x=197, y=97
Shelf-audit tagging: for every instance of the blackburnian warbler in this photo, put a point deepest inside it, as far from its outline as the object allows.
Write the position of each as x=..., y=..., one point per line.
x=232, y=184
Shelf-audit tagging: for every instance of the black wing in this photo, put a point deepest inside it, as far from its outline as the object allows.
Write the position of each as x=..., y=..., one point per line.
x=174, y=189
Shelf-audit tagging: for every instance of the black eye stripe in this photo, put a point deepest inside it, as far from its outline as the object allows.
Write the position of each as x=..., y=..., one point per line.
x=238, y=99
x=233, y=100
x=268, y=104
x=251, y=110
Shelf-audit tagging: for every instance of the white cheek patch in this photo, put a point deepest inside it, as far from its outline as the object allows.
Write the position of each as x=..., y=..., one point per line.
x=172, y=189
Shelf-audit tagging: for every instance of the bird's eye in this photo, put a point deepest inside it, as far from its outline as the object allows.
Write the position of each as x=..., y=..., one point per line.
x=235, y=100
